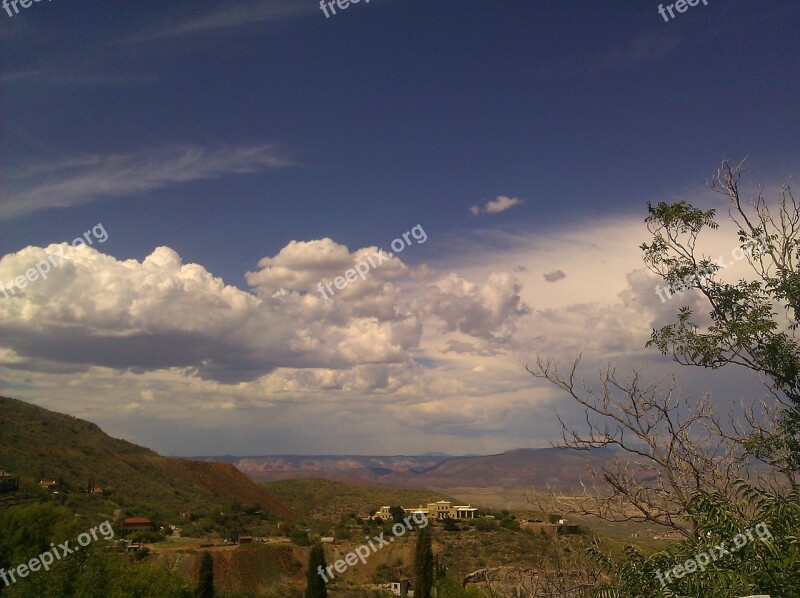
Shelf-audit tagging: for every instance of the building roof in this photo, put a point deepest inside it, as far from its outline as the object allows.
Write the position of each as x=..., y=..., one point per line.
x=135, y=520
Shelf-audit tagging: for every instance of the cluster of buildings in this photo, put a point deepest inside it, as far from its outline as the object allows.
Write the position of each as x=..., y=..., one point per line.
x=442, y=509
x=10, y=483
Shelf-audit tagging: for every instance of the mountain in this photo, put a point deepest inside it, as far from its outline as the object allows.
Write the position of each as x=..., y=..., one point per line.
x=346, y=468
x=563, y=469
x=39, y=444
x=522, y=468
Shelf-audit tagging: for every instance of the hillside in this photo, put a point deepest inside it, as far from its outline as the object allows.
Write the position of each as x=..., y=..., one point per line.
x=39, y=444
x=330, y=499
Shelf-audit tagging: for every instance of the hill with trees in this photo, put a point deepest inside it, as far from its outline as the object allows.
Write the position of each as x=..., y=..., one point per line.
x=38, y=444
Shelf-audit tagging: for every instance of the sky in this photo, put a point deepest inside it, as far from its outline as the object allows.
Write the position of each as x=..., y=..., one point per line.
x=224, y=161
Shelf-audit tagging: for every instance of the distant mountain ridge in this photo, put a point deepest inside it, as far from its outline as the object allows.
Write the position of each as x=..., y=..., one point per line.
x=563, y=469
x=36, y=443
x=353, y=468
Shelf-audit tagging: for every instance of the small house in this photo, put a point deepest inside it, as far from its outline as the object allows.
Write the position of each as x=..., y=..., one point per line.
x=8, y=482
x=135, y=525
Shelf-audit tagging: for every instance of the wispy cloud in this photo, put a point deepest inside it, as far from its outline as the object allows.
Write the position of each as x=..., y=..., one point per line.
x=231, y=16
x=495, y=206
x=85, y=179
x=642, y=49
x=59, y=76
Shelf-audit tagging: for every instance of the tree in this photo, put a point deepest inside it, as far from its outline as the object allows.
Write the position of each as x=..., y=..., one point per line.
x=423, y=564
x=767, y=564
x=205, y=582
x=397, y=513
x=668, y=447
x=697, y=462
x=752, y=323
x=315, y=584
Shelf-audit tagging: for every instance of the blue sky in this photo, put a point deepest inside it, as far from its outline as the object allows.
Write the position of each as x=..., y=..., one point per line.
x=238, y=136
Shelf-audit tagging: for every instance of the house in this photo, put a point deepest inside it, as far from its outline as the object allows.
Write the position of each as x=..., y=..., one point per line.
x=401, y=587
x=96, y=491
x=8, y=482
x=134, y=525
x=327, y=540
x=49, y=484
x=442, y=509
x=561, y=527
x=245, y=539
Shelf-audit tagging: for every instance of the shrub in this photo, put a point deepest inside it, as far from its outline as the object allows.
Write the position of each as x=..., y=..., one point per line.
x=299, y=537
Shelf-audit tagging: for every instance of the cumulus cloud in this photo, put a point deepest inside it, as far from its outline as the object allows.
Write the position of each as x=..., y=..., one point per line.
x=496, y=206
x=424, y=357
x=488, y=312
x=160, y=313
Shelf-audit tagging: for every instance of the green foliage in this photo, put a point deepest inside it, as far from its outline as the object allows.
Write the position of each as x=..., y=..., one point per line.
x=447, y=588
x=205, y=579
x=27, y=531
x=315, y=584
x=439, y=569
x=485, y=525
x=450, y=525
x=299, y=537
x=342, y=533
x=40, y=444
x=397, y=514
x=147, y=537
x=751, y=323
x=768, y=564
x=96, y=571
x=383, y=574
x=512, y=524
x=423, y=564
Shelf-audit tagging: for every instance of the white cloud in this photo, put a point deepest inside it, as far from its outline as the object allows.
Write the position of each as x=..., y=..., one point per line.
x=161, y=313
x=426, y=358
x=496, y=206
x=489, y=312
